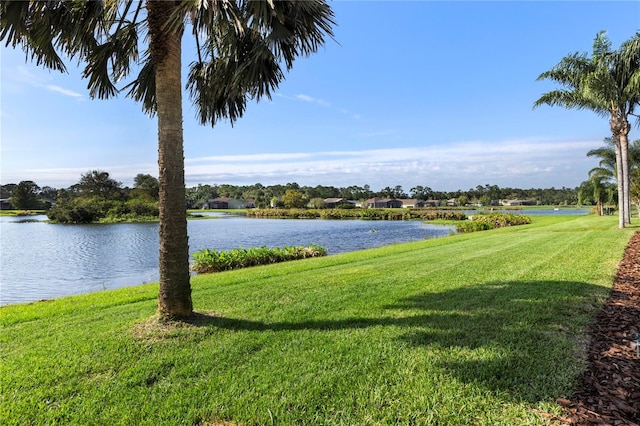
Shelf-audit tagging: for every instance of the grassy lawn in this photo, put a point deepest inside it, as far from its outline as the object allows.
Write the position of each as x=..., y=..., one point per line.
x=483, y=328
x=21, y=212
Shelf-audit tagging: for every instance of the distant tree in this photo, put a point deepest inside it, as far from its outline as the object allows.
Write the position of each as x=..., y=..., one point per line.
x=197, y=196
x=48, y=193
x=25, y=195
x=353, y=192
x=147, y=184
x=231, y=191
x=385, y=192
x=6, y=190
x=276, y=202
x=598, y=190
x=398, y=192
x=98, y=183
x=606, y=171
x=294, y=199
x=323, y=192
x=292, y=185
x=421, y=192
x=316, y=203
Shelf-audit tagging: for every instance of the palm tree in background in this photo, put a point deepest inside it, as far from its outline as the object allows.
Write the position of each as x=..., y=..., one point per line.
x=604, y=175
x=242, y=51
x=606, y=172
x=597, y=190
x=607, y=83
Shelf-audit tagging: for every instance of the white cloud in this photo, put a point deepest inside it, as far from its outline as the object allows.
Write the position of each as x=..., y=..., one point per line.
x=304, y=98
x=518, y=163
x=249, y=158
x=322, y=102
x=22, y=76
x=526, y=163
x=58, y=89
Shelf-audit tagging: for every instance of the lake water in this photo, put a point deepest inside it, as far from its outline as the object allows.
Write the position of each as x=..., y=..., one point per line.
x=40, y=260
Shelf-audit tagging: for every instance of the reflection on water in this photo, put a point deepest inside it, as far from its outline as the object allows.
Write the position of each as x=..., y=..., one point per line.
x=41, y=261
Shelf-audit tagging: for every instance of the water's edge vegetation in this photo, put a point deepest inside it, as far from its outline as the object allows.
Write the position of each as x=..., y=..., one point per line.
x=211, y=260
x=478, y=328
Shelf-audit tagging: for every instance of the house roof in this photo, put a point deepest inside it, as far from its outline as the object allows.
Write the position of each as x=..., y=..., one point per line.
x=381, y=200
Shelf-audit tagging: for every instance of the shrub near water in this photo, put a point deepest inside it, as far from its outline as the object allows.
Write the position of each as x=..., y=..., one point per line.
x=356, y=213
x=484, y=222
x=208, y=260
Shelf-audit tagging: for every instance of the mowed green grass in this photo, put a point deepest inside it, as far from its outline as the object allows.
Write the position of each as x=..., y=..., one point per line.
x=484, y=329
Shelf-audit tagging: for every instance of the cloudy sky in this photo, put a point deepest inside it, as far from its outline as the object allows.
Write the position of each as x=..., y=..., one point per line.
x=427, y=93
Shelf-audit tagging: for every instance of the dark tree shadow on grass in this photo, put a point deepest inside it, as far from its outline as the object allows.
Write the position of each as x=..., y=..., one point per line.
x=528, y=331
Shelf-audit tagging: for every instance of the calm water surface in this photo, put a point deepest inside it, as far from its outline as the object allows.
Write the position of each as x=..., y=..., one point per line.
x=39, y=260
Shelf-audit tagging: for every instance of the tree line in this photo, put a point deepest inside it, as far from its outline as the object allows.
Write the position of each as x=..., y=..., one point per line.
x=264, y=196
x=97, y=196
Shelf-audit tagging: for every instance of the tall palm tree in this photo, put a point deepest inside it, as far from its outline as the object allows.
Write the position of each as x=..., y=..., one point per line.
x=607, y=83
x=243, y=50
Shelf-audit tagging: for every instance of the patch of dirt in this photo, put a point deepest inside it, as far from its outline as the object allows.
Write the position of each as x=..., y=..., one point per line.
x=156, y=328
x=608, y=392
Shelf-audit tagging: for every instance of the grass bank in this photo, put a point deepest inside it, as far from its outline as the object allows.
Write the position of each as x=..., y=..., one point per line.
x=21, y=212
x=482, y=328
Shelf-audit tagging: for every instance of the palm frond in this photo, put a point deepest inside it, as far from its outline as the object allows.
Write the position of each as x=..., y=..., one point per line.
x=29, y=25
x=601, y=45
x=244, y=45
x=143, y=88
x=110, y=61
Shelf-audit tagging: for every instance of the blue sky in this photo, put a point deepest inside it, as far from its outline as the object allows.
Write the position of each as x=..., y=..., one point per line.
x=437, y=94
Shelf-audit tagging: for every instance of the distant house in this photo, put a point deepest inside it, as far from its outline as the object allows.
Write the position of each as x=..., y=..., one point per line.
x=383, y=203
x=226, y=203
x=250, y=203
x=331, y=203
x=5, y=204
x=412, y=203
x=432, y=203
x=519, y=202
x=452, y=202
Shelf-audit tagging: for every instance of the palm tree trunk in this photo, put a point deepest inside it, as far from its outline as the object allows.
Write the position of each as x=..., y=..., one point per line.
x=624, y=152
x=174, y=297
x=620, y=181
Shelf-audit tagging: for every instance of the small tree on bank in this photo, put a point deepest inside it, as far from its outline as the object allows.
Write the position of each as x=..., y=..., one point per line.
x=25, y=195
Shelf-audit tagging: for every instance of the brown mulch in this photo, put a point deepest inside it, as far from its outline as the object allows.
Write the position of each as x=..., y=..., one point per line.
x=608, y=391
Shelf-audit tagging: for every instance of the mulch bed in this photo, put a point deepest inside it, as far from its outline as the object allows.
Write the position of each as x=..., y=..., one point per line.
x=608, y=391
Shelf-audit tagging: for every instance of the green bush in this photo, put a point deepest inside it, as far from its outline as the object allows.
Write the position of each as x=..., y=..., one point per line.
x=81, y=210
x=358, y=213
x=97, y=209
x=486, y=221
x=210, y=260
